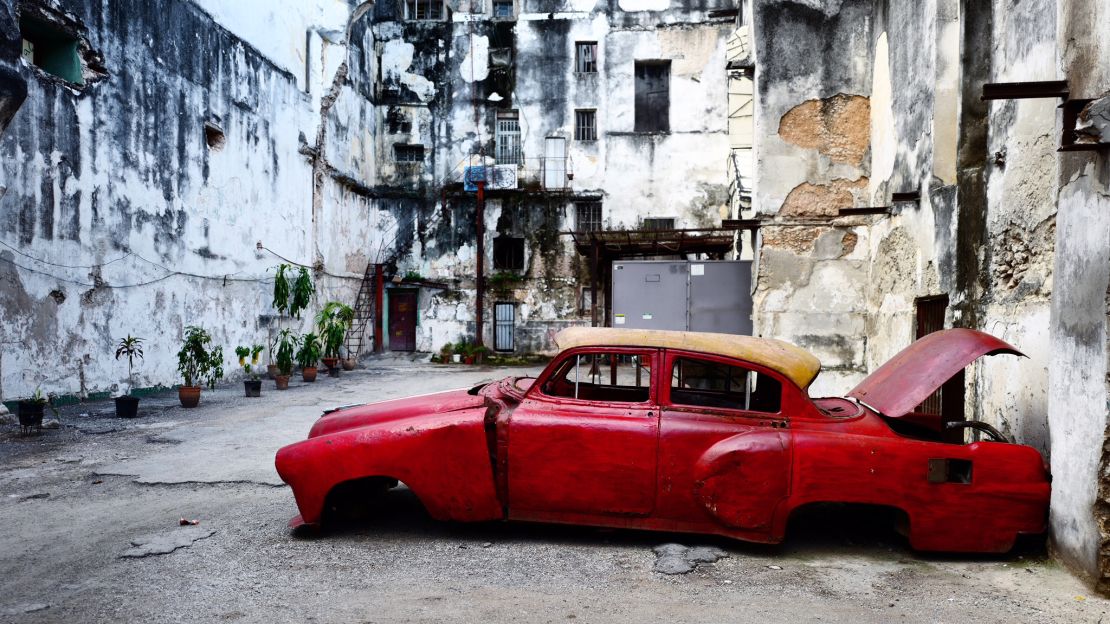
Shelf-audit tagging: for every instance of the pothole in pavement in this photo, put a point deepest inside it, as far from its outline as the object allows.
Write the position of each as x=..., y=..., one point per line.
x=679, y=559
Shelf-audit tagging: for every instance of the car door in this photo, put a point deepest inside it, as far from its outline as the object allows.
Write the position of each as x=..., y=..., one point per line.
x=725, y=448
x=584, y=441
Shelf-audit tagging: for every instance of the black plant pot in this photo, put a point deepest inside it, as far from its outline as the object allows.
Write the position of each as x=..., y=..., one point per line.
x=30, y=415
x=127, y=406
x=253, y=387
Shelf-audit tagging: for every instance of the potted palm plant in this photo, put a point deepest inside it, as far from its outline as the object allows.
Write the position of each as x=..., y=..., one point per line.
x=198, y=364
x=332, y=322
x=291, y=295
x=252, y=385
x=127, y=406
x=308, y=356
x=32, y=409
x=286, y=348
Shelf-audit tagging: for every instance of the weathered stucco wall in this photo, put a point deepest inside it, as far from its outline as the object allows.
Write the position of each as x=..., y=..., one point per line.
x=120, y=218
x=893, y=106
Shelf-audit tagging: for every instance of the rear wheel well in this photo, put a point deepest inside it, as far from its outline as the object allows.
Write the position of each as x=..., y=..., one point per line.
x=849, y=517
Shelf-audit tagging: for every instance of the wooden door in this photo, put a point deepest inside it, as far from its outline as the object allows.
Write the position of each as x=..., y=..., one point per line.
x=402, y=320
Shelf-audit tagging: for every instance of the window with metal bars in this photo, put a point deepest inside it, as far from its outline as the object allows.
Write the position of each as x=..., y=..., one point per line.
x=507, y=139
x=585, y=57
x=503, y=9
x=655, y=223
x=408, y=153
x=587, y=216
x=504, y=326
x=423, y=9
x=585, y=125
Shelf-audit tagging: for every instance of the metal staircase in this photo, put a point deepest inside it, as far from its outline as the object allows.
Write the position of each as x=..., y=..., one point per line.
x=364, y=312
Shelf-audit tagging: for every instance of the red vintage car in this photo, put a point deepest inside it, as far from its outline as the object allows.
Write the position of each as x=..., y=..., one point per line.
x=692, y=432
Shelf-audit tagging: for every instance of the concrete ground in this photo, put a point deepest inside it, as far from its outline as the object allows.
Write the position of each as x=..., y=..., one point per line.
x=89, y=532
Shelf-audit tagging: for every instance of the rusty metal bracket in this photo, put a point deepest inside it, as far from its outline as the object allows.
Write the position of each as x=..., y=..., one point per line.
x=1025, y=90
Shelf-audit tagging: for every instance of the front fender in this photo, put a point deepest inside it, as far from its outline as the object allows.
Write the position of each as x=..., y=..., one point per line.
x=443, y=459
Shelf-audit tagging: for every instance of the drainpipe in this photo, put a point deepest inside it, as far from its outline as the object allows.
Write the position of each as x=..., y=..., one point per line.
x=480, y=227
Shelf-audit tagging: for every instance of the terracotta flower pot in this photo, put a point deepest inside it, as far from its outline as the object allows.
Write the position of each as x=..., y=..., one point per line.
x=189, y=395
x=282, y=382
x=348, y=364
x=469, y=359
x=308, y=373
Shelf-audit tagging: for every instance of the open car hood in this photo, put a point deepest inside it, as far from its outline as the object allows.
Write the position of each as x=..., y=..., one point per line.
x=917, y=371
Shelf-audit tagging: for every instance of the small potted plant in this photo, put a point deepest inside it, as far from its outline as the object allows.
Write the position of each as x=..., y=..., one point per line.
x=349, y=362
x=252, y=385
x=286, y=348
x=32, y=409
x=479, y=353
x=127, y=406
x=197, y=364
x=465, y=349
x=446, y=352
x=308, y=356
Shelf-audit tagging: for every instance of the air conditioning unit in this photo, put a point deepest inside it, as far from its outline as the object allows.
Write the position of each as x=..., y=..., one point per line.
x=498, y=177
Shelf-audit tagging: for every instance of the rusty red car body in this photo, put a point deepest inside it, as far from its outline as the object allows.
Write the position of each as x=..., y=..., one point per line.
x=704, y=442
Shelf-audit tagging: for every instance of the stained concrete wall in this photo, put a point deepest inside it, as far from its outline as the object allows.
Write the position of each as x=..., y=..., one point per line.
x=13, y=88
x=1079, y=380
x=119, y=217
x=893, y=105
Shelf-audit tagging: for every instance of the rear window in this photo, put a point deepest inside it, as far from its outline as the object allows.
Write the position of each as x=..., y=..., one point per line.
x=704, y=383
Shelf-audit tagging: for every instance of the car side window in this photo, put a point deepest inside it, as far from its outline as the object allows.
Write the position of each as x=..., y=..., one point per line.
x=613, y=377
x=703, y=383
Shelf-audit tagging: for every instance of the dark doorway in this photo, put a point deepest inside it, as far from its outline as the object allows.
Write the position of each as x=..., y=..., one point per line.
x=948, y=400
x=653, y=96
x=402, y=320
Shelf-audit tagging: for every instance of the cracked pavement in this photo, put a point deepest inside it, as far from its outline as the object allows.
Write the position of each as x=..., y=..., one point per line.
x=76, y=500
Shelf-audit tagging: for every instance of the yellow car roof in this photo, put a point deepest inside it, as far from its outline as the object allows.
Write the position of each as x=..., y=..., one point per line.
x=794, y=363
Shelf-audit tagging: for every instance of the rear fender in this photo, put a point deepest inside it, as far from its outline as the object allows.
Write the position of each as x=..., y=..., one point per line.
x=443, y=460
x=742, y=479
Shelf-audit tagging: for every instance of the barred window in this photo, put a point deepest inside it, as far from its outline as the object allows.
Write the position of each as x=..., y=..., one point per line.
x=503, y=9
x=585, y=125
x=408, y=153
x=423, y=9
x=585, y=57
x=504, y=323
x=587, y=216
x=507, y=139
